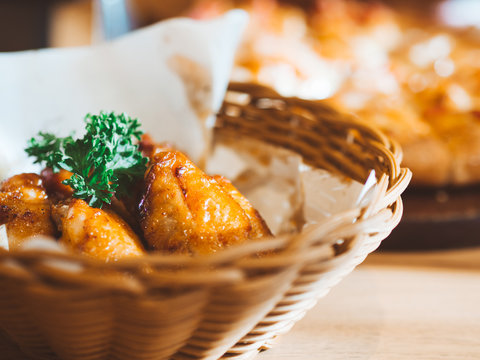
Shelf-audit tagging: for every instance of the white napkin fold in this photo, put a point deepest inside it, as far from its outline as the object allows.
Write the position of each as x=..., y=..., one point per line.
x=172, y=76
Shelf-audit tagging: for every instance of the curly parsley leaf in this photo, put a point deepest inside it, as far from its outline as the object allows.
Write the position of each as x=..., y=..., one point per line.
x=48, y=149
x=104, y=162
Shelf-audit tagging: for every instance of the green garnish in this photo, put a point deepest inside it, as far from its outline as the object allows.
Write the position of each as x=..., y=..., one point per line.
x=105, y=161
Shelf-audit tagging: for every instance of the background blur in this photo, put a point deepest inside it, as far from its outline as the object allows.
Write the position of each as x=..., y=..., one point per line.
x=33, y=24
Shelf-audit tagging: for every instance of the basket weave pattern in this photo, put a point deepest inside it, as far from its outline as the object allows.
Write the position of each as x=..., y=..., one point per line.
x=229, y=305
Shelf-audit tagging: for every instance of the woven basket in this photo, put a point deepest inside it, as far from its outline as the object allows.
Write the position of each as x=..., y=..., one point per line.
x=229, y=305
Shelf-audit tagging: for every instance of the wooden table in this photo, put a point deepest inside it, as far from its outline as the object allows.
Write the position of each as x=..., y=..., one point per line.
x=394, y=306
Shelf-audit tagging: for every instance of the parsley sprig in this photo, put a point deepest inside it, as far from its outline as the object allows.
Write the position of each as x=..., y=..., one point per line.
x=105, y=161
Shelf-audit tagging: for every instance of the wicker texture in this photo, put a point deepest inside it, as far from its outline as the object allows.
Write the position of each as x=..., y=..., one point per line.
x=229, y=305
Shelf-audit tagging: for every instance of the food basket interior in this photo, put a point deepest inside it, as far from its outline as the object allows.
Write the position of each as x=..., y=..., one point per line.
x=55, y=305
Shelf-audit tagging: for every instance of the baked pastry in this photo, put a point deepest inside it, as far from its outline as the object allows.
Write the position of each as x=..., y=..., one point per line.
x=416, y=80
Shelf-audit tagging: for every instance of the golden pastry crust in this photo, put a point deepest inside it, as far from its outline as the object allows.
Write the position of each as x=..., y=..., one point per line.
x=416, y=80
x=419, y=154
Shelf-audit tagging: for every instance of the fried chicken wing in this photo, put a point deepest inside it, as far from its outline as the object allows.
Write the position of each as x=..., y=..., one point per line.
x=25, y=208
x=124, y=207
x=186, y=211
x=150, y=148
x=259, y=226
x=53, y=183
x=95, y=232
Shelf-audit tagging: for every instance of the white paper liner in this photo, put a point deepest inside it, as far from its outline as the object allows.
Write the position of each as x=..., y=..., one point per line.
x=288, y=193
x=45, y=243
x=3, y=237
x=172, y=76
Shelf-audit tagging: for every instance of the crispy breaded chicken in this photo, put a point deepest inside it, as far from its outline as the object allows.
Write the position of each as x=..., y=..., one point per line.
x=184, y=210
x=101, y=234
x=25, y=208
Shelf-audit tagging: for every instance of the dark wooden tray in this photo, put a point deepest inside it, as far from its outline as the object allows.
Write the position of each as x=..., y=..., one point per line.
x=437, y=219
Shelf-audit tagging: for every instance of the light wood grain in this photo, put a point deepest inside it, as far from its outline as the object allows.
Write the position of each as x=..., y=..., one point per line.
x=390, y=313
x=456, y=259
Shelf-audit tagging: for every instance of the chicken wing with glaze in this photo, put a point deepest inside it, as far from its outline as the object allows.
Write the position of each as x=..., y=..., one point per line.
x=95, y=232
x=57, y=191
x=259, y=227
x=53, y=182
x=25, y=208
x=150, y=148
x=186, y=211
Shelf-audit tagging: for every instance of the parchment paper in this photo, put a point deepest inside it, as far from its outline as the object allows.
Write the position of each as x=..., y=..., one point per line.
x=172, y=76
x=288, y=193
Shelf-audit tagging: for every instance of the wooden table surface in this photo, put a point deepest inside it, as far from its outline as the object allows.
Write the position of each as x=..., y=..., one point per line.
x=394, y=306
